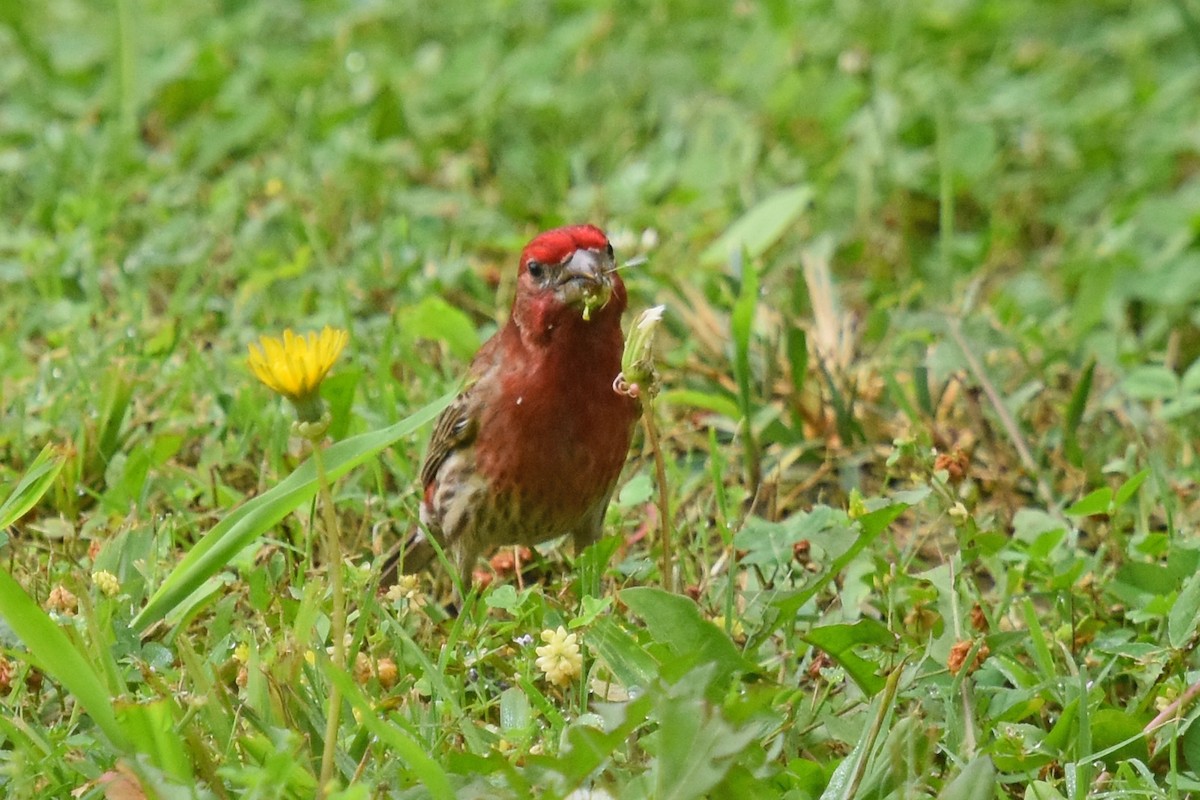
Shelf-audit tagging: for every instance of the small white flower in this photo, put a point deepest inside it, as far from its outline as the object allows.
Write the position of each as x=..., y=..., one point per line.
x=406, y=587
x=589, y=794
x=559, y=658
x=107, y=583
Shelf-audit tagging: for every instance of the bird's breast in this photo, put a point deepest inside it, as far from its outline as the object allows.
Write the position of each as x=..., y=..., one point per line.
x=558, y=435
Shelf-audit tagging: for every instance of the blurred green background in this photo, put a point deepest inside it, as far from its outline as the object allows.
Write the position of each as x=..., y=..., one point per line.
x=1004, y=196
x=176, y=177
x=174, y=180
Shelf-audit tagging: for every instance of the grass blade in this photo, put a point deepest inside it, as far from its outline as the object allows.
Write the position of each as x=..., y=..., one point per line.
x=33, y=485
x=428, y=772
x=57, y=655
x=741, y=323
x=257, y=516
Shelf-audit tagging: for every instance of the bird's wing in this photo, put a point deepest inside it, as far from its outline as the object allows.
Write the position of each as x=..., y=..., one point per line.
x=455, y=427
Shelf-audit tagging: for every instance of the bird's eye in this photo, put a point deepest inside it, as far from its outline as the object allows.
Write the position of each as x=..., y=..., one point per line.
x=536, y=269
x=609, y=249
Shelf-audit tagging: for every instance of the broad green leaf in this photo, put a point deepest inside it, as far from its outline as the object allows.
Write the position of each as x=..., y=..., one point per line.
x=977, y=781
x=839, y=642
x=588, y=747
x=628, y=660
x=1129, y=488
x=760, y=227
x=1185, y=613
x=55, y=654
x=637, y=490
x=1150, y=382
x=1020, y=749
x=1096, y=502
x=1095, y=287
x=1181, y=407
x=33, y=484
x=1032, y=525
x=1042, y=790
x=772, y=544
x=695, y=744
x=1142, y=577
x=1190, y=382
x=807, y=776
x=1191, y=747
x=592, y=607
x=676, y=622
x=435, y=319
x=877, y=521
x=258, y=515
x=872, y=525
x=505, y=597
x=1117, y=736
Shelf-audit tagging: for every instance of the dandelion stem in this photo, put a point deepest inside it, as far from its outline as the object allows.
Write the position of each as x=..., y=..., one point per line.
x=337, y=621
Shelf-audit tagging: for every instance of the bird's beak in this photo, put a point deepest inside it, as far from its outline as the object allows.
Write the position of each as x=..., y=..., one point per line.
x=585, y=280
x=587, y=265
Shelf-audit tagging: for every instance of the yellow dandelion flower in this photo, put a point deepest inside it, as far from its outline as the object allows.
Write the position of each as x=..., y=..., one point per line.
x=294, y=366
x=559, y=659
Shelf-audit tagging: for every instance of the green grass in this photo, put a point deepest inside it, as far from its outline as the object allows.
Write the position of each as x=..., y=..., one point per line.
x=977, y=440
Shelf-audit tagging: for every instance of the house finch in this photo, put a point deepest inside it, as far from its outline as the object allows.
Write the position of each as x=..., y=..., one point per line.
x=532, y=447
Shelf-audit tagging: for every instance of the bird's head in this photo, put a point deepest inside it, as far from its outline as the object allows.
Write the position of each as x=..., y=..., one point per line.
x=567, y=274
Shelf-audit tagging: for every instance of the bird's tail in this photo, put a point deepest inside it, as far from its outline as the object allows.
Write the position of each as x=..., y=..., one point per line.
x=411, y=554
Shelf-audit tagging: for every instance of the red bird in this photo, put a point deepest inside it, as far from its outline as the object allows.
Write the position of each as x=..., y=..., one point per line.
x=532, y=447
